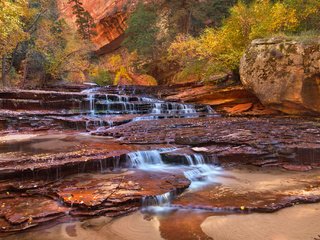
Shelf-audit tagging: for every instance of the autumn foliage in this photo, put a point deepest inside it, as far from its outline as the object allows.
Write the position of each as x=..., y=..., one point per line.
x=220, y=50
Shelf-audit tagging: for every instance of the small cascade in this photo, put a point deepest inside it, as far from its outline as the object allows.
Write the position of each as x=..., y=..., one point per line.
x=148, y=99
x=91, y=99
x=124, y=104
x=197, y=171
x=163, y=200
x=173, y=108
x=100, y=103
x=119, y=104
x=145, y=118
x=157, y=107
x=196, y=165
x=90, y=90
x=143, y=159
x=194, y=159
x=94, y=123
x=200, y=173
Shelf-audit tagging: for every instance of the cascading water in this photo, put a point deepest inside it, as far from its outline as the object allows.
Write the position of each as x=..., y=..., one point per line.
x=91, y=98
x=124, y=104
x=156, y=108
x=173, y=108
x=197, y=171
x=147, y=159
x=162, y=200
x=103, y=106
x=201, y=173
x=142, y=159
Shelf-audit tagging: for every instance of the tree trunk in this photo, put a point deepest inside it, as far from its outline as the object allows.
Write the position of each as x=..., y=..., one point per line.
x=188, y=22
x=4, y=72
x=25, y=73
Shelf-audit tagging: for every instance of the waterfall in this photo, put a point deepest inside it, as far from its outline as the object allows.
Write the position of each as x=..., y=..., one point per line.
x=162, y=200
x=156, y=108
x=147, y=159
x=200, y=173
x=197, y=171
x=194, y=159
x=188, y=109
x=142, y=158
x=91, y=98
x=148, y=99
x=173, y=108
x=99, y=103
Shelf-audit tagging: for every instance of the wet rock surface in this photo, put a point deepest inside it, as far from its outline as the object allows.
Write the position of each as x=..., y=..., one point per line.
x=228, y=100
x=116, y=150
x=81, y=196
x=253, y=190
x=256, y=141
x=243, y=191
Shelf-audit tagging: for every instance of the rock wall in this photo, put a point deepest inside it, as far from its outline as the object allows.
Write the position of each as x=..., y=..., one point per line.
x=109, y=15
x=284, y=74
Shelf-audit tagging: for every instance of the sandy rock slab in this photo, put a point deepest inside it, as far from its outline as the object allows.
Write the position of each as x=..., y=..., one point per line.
x=82, y=196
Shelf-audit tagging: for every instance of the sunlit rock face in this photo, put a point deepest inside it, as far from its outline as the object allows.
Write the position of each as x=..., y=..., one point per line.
x=284, y=74
x=109, y=15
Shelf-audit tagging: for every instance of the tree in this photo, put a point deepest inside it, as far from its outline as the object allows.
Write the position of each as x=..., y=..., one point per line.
x=11, y=31
x=63, y=49
x=221, y=49
x=153, y=27
x=192, y=16
x=141, y=34
x=84, y=20
x=37, y=45
x=308, y=12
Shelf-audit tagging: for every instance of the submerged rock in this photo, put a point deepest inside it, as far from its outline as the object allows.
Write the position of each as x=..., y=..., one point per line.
x=284, y=74
x=83, y=196
x=147, y=152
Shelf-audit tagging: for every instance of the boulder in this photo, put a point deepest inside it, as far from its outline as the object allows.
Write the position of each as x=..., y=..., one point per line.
x=284, y=74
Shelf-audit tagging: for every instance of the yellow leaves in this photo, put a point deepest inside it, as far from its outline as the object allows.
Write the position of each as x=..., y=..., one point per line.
x=115, y=62
x=225, y=46
x=122, y=74
x=65, y=52
x=183, y=48
x=304, y=8
x=282, y=18
x=100, y=76
x=11, y=25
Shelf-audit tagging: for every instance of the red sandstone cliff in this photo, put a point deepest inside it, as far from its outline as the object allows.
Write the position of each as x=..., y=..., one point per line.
x=110, y=17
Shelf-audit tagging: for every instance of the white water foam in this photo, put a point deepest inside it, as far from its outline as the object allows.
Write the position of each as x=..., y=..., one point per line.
x=197, y=171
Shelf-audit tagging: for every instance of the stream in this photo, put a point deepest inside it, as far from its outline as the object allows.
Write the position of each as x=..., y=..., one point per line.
x=116, y=163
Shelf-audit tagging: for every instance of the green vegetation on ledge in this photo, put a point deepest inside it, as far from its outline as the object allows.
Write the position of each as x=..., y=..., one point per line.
x=200, y=53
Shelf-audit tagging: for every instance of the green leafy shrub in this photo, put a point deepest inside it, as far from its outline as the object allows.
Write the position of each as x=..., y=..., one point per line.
x=102, y=77
x=142, y=30
x=222, y=48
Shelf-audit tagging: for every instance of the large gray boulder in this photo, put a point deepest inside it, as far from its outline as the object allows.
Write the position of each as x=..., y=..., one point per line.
x=284, y=74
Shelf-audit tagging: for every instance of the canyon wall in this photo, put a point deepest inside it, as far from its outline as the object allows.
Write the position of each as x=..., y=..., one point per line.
x=110, y=17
